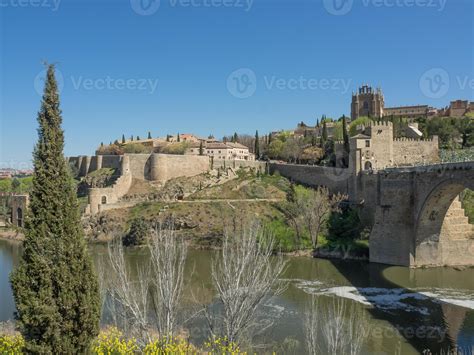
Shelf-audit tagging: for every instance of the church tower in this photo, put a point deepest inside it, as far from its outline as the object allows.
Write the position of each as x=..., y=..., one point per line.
x=367, y=102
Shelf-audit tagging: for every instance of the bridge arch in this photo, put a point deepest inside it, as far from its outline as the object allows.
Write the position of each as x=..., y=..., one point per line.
x=442, y=232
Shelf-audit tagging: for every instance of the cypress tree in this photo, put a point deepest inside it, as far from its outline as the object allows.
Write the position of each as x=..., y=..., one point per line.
x=345, y=135
x=201, y=148
x=178, y=138
x=257, y=145
x=235, y=138
x=324, y=136
x=138, y=138
x=55, y=288
x=123, y=138
x=149, y=135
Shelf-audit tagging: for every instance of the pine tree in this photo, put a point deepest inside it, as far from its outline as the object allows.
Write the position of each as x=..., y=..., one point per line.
x=123, y=138
x=55, y=288
x=257, y=145
x=149, y=135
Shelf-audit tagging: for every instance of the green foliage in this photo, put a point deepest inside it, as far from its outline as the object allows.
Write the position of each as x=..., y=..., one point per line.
x=11, y=344
x=357, y=122
x=344, y=225
x=111, y=149
x=137, y=234
x=175, y=148
x=453, y=132
x=467, y=198
x=136, y=148
x=6, y=185
x=112, y=342
x=55, y=288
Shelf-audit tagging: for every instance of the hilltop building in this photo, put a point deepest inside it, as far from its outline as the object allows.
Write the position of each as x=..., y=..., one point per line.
x=371, y=103
x=221, y=150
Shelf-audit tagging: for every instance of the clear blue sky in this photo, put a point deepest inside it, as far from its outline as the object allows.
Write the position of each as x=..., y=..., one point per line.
x=185, y=51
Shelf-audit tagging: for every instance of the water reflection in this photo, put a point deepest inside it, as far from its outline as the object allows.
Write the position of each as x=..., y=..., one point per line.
x=409, y=310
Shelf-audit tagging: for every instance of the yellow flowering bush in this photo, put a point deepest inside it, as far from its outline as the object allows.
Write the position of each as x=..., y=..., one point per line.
x=11, y=344
x=169, y=345
x=222, y=345
x=112, y=342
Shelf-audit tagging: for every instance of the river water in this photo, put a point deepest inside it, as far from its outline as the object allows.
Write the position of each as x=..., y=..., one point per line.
x=407, y=311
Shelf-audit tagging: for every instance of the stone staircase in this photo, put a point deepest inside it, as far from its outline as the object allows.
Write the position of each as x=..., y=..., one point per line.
x=456, y=223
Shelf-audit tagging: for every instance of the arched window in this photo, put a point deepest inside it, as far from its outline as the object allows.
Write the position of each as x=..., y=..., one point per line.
x=104, y=200
x=366, y=105
x=368, y=165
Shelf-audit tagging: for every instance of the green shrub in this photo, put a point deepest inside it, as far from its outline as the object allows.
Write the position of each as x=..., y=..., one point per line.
x=137, y=234
x=11, y=344
x=344, y=225
x=175, y=148
x=136, y=148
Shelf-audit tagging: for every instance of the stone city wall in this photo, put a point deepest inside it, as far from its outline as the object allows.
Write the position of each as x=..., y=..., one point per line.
x=335, y=179
x=235, y=164
x=168, y=166
x=408, y=151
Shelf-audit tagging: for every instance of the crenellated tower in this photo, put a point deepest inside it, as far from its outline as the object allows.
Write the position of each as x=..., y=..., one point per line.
x=367, y=102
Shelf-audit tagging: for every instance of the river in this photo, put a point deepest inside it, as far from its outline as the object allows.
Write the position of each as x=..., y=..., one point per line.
x=407, y=311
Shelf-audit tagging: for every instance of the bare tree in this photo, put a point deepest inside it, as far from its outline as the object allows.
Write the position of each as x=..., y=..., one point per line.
x=245, y=275
x=168, y=256
x=334, y=327
x=315, y=208
x=145, y=299
x=129, y=292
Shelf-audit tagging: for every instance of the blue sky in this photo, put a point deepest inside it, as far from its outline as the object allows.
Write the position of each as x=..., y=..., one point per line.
x=219, y=66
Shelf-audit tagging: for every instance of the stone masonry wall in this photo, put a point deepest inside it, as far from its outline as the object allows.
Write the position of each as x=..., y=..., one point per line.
x=167, y=166
x=407, y=151
x=335, y=179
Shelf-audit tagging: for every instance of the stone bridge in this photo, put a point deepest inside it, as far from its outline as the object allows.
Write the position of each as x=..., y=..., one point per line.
x=418, y=217
x=415, y=213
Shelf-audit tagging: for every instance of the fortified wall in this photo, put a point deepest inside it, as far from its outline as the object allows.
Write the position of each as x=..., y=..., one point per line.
x=152, y=167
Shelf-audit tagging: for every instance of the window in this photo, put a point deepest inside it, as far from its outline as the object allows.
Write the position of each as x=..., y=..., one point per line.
x=19, y=217
x=367, y=143
x=104, y=200
x=368, y=165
